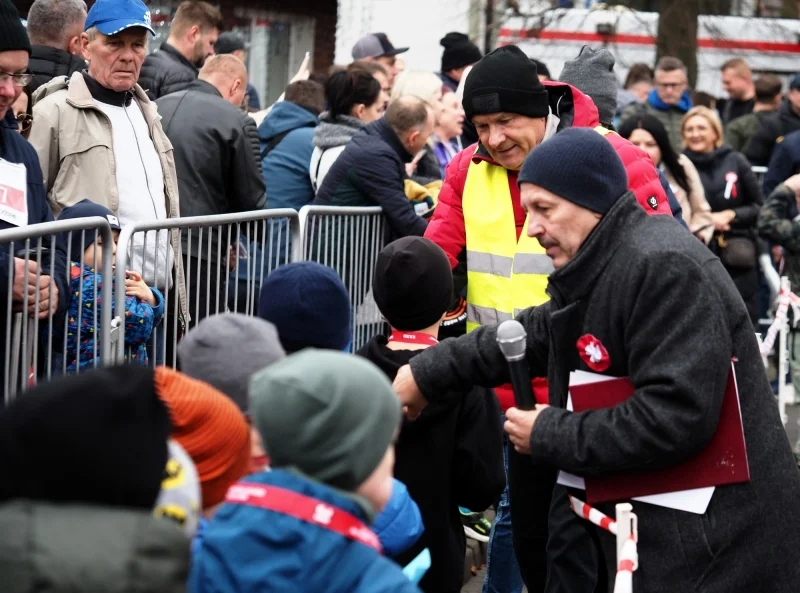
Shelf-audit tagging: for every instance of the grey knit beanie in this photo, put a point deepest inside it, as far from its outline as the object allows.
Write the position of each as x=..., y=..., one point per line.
x=226, y=350
x=592, y=73
x=329, y=415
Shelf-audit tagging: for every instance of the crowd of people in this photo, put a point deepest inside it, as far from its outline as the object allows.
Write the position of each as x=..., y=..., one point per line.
x=278, y=455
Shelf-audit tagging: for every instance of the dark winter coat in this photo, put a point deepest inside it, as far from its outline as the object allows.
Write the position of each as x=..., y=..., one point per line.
x=759, y=150
x=47, y=63
x=784, y=163
x=166, y=71
x=214, y=153
x=371, y=172
x=671, y=320
x=15, y=149
x=745, y=198
x=451, y=456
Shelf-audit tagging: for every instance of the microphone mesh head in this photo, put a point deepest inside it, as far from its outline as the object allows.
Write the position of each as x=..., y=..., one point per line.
x=511, y=338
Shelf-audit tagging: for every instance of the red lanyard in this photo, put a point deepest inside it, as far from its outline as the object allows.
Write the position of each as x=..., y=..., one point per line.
x=305, y=508
x=412, y=338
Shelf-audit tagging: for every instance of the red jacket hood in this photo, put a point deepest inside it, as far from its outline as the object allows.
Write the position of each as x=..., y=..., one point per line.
x=576, y=110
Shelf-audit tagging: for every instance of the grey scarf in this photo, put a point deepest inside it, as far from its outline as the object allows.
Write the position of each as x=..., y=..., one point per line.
x=333, y=132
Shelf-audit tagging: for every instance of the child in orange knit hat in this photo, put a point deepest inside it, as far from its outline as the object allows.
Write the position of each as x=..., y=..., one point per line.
x=212, y=430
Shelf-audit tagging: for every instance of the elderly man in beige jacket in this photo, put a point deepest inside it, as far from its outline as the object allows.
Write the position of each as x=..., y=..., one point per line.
x=98, y=136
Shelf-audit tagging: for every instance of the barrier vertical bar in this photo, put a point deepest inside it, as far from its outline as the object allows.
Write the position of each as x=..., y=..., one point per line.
x=627, y=528
x=785, y=388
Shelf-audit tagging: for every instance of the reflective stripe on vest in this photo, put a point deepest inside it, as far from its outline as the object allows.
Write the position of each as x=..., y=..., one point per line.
x=504, y=275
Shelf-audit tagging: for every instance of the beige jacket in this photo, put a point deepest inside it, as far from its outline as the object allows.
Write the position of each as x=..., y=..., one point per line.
x=696, y=211
x=74, y=141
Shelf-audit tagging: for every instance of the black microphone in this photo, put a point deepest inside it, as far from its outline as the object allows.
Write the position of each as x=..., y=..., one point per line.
x=511, y=338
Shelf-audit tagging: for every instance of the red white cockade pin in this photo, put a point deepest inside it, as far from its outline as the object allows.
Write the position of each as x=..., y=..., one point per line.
x=593, y=353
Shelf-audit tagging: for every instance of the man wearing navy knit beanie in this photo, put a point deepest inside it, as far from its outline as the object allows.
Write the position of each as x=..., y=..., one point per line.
x=574, y=197
x=515, y=113
x=633, y=296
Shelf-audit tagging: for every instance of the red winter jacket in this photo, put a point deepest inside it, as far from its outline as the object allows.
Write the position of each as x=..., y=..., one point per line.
x=575, y=110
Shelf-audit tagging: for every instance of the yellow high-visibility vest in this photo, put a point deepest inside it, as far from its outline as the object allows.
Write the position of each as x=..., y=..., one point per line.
x=504, y=275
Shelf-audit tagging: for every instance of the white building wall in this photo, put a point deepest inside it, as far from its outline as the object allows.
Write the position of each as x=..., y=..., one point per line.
x=417, y=24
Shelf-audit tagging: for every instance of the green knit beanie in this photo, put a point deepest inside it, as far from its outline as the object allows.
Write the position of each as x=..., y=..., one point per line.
x=328, y=415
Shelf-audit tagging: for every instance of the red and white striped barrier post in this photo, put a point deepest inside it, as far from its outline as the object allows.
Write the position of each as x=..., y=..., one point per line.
x=626, y=529
x=780, y=330
x=626, y=564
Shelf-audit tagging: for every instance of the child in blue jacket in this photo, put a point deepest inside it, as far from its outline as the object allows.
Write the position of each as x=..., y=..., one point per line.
x=144, y=306
x=328, y=421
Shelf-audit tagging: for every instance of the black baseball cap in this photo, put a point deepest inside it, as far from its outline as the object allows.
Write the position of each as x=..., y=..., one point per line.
x=229, y=42
x=375, y=45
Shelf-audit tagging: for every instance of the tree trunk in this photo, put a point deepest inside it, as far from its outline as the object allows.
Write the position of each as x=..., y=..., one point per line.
x=677, y=34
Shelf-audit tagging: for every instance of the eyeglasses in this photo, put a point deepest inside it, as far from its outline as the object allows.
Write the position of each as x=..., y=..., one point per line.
x=24, y=121
x=19, y=79
x=670, y=85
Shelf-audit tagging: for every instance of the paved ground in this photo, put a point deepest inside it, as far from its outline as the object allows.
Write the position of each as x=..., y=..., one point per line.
x=475, y=584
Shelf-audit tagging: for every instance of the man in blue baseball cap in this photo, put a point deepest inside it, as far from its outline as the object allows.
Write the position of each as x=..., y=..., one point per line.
x=110, y=17
x=98, y=136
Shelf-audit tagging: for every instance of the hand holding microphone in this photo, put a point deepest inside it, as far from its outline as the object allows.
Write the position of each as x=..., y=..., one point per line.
x=512, y=340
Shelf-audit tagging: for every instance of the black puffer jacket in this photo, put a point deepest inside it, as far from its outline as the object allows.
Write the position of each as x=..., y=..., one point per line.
x=47, y=63
x=166, y=71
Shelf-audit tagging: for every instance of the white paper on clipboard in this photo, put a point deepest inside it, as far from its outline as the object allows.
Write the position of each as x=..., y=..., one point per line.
x=692, y=501
x=13, y=193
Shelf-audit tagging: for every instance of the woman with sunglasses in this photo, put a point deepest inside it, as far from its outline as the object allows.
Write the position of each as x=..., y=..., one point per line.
x=23, y=112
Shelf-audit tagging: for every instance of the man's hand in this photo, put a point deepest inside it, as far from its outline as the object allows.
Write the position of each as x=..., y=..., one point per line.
x=411, y=167
x=411, y=397
x=519, y=426
x=135, y=286
x=48, y=297
x=23, y=285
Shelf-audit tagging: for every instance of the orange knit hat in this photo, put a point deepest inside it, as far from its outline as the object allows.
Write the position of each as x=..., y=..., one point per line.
x=211, y=429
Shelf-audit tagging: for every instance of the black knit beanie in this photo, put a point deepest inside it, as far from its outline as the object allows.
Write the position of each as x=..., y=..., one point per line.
x=458, y=51
x=505, y=80
x=578, y=165
x=13, y=35
x=413, y=283
x=96, y=438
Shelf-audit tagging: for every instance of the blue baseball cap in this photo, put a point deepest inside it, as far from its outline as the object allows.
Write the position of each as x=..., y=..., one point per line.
x=112, y=16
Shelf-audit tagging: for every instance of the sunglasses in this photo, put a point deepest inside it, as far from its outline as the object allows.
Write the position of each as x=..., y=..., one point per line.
x=24, y=121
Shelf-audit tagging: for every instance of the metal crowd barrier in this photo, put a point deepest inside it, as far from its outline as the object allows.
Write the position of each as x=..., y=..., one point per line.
x=348, y=240
x=40, y=341
x=199, y=266
x=223, y=260
x=760, y=173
